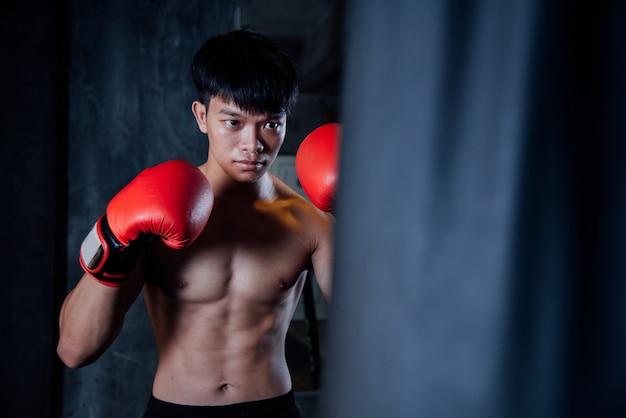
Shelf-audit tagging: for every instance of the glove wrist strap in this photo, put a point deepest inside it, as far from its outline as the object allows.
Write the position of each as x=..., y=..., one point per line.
x=105, y=258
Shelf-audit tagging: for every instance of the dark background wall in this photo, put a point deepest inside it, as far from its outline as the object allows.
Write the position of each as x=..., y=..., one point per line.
x=33, y=115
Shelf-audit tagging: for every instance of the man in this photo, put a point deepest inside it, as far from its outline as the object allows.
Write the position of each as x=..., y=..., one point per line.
x=220, y=289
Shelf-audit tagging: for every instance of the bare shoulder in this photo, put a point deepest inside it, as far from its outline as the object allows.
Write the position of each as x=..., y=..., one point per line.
x=298, y=205
x=317, y=228
x=314, y=226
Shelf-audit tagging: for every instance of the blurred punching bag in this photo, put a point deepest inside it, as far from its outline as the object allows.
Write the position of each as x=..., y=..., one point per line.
x=481, y=212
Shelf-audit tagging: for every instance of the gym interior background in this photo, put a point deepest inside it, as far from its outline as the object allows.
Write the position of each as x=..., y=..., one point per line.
x=481, y=234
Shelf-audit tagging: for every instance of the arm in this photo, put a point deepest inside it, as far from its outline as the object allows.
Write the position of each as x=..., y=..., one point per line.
x=171, y=202
x=92, y=317
x=322, y=257
x=316, y=166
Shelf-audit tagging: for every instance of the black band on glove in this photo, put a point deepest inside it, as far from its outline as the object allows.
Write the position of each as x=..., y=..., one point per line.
x=105, y=258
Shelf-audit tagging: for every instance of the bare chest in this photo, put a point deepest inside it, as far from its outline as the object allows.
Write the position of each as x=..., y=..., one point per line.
x=257, y=258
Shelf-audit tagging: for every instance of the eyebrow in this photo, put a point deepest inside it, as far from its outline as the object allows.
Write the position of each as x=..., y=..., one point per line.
x=229, y=112
x=234, y=113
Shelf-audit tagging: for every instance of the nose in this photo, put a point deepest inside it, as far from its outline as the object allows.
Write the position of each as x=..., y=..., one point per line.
x=250, y=143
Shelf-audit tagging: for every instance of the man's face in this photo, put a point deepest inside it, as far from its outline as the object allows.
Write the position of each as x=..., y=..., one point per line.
x=243, y=144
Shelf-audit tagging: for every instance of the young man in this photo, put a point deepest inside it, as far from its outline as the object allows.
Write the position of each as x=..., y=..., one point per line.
x=220, y=292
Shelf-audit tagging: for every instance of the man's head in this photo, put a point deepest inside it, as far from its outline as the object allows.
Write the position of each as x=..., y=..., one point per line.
x=247, y=69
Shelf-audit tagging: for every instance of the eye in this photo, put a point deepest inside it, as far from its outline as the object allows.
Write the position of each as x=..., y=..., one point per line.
x=272, y=125
x=232, y=123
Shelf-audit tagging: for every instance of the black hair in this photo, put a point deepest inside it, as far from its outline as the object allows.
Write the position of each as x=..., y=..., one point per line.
x=248, y=69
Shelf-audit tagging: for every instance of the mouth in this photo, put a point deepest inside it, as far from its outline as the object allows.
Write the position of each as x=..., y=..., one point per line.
x=250, y=165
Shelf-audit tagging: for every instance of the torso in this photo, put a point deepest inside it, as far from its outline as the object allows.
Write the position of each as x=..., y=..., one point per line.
x=221, y=308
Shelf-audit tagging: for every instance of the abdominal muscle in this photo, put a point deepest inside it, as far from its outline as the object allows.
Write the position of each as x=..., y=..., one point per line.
x=221, y=352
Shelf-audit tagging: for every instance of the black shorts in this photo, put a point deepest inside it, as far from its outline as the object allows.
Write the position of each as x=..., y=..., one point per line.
x=280, y=407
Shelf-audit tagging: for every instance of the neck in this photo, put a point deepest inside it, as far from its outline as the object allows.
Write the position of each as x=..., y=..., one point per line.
x=224, y=187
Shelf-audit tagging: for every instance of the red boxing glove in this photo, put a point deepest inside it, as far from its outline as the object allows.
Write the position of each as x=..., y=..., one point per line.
x=316, y=165
x=172, y=201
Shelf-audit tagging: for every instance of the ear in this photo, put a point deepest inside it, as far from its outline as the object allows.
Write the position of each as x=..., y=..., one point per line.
x=199, y=111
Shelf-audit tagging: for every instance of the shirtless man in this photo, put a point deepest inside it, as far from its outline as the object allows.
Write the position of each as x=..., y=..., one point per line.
x=220, y=292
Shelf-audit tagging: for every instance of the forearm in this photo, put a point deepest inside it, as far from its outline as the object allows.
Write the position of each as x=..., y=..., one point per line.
x=91, y=318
